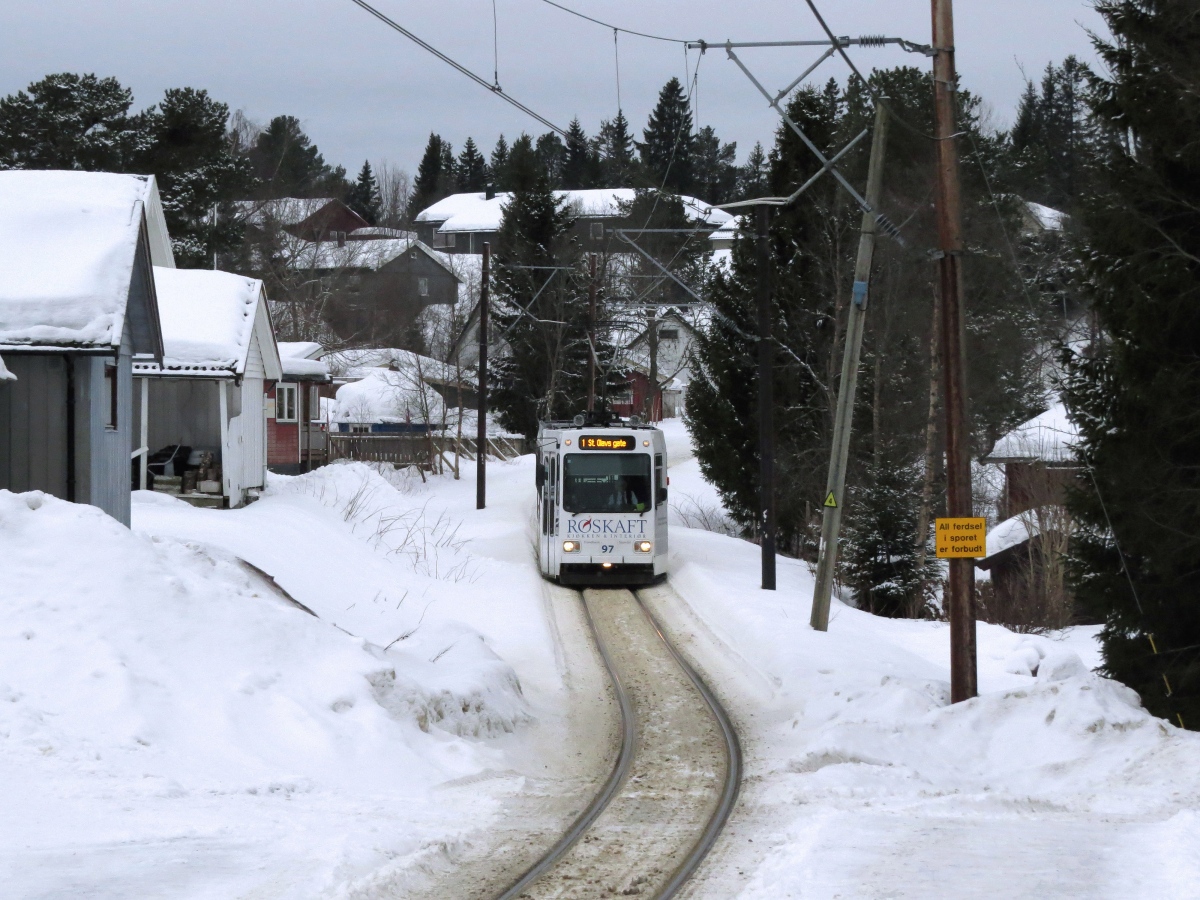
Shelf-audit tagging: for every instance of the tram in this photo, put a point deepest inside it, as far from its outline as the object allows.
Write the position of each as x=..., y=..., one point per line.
x=602, y=502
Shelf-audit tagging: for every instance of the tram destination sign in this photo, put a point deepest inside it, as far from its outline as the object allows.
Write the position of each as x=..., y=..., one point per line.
x=606, y=442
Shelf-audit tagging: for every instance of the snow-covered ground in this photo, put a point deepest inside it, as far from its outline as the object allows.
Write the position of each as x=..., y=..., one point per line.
x=173, y=725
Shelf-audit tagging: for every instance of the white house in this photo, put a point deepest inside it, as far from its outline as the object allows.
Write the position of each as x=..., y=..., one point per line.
x=208, y=393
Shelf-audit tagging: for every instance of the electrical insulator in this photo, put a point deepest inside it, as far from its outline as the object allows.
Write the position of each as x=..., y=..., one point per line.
x=872, y=40
x=889, y=228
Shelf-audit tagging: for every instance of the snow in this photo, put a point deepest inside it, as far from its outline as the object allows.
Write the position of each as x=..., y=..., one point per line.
x=68, y=242
x=388, y=396
x=207, y=318
x=473, y=212
x=1049, y=437
x=1010, y=533
x=284, y=211
x=175, y=726
x=1048, y=219
x=300, y=350
x=6, y=375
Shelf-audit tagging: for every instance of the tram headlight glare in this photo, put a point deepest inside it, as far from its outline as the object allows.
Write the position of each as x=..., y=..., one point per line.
x=570, y=546
x=643, y=546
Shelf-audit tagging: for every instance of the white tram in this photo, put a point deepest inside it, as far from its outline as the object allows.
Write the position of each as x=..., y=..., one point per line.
x=602, y=503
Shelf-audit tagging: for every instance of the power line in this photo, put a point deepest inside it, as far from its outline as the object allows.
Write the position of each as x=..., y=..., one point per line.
x=653, y=37
x=494, y=88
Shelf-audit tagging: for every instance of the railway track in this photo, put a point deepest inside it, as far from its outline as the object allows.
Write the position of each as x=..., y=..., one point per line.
x=673, y=784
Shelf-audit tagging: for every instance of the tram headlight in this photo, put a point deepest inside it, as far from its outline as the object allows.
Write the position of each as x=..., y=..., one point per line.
x=570, y=546
x=643, y=546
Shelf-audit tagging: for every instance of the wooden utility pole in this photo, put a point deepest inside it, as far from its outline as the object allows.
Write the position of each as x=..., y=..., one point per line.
x=591, y=395
x=766, y=402
x=835, y=485
x=481, y=442
x=963, y=674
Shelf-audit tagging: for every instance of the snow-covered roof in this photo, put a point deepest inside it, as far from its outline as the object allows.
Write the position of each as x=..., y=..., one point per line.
x=208, y=323
x=6, y=375
x=1047, y=438
x=284, y=211
x=474, y=212
x=68, y=247
x=387, y=396
x=300, y=350
x=1046, y=218
x=370, y=255
x=375, y=232
x=360, y=362
x=728, y=230
x=1010, y=533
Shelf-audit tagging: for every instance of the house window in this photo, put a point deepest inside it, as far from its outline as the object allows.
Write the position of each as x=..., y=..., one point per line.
x=360, y=428
x=441, y=240
x=669, y=334
x=285, y=403
x=597, y=230
x=423, y=287
x=110, y=393
x=314, y=404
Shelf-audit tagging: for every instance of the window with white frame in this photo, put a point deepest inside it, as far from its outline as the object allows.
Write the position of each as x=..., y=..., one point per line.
x=285, y=403
x=423, y=287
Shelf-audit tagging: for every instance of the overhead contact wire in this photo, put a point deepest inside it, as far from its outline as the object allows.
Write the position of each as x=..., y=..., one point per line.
x=493, y=88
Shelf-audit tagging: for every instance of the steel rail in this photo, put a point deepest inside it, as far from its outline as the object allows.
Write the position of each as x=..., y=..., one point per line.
x=733, y=767
x=616, y=778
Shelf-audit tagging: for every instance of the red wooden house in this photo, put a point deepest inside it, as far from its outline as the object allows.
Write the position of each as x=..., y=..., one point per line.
x=295, y=431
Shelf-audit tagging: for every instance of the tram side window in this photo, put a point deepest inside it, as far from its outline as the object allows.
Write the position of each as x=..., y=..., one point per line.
x=606, y=482
x=660, y=484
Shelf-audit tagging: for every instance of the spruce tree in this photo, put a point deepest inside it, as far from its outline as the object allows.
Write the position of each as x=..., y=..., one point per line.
x=667, y=142
x=614, y=145
x=544, y=374
x=1136, y=559
x=472, y=169
x=524, y=167
x=580, y=165
x=288, y=164
x=430, y=182
x=716, y=171
x=364, y=197
x=552, y=154
x=752, y=177
x=498, y=165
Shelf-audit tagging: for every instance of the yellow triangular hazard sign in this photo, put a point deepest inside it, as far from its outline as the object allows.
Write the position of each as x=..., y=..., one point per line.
x=829, y=501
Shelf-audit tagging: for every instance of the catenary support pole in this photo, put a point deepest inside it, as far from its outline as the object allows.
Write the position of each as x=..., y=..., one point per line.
x=591, y=393
x=481, y=443
x=766, y=403
x=835, y=485
x=963, y=674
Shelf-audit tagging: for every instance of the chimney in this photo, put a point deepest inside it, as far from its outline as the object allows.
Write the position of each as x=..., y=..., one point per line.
x=490, y=192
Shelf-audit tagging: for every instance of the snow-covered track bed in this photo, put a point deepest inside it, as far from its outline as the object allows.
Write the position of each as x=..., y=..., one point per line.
x=674, y=782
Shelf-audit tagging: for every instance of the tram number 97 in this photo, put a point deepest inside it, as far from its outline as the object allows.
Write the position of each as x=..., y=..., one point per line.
x=607, y=548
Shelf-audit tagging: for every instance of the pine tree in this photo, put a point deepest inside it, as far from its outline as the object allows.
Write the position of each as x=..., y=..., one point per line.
x=580, y=165
x=68, y=121
x=498, y=164
x=716, y=171
x=472, y=169
x=1134, y=397
x=543, y=375
x=186, y=148
x=668, y=143
x=364, y=196
x=288, y=164
x=430, y=182
x=614, y=145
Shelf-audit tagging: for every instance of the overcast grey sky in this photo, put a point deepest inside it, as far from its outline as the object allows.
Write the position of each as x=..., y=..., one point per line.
x=364, y=91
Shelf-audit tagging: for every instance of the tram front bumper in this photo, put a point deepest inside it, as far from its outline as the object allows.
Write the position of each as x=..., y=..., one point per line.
x=617, y=573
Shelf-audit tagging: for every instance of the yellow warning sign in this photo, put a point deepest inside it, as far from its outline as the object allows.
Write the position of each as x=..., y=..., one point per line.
x=830, y=501
x=963, y=538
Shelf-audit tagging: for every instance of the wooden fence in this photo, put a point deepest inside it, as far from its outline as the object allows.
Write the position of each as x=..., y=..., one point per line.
x=416, y=449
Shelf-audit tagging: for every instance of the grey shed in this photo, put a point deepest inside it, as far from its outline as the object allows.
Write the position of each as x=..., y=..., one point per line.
x=77, y=303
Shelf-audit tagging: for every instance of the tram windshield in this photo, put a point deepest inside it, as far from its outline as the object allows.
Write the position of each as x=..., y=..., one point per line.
x=606, y=482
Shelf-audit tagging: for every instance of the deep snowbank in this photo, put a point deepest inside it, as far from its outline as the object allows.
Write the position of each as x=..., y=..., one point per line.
x=158, y=692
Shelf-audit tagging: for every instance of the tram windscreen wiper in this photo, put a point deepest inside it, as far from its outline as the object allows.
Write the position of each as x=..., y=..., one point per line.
x=606, y=483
